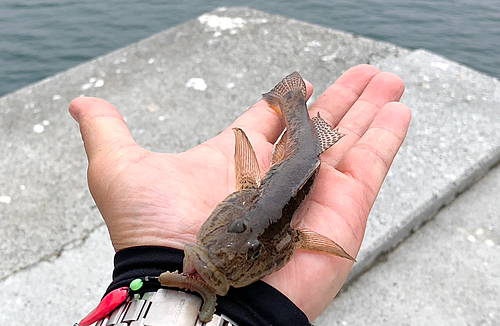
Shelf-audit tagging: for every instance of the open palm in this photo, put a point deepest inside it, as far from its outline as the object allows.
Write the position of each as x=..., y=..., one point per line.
x=149, y=198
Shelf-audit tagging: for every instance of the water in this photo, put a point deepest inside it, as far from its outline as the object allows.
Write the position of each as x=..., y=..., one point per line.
x=41, y=38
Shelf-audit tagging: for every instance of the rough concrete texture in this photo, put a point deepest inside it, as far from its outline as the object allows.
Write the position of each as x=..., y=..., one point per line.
x=453, y=140
x=175, y=89
x=447, y=273
x=62, y=290
x=183, y=86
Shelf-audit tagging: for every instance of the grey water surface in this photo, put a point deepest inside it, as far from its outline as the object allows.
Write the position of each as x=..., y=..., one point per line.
x=39, y=38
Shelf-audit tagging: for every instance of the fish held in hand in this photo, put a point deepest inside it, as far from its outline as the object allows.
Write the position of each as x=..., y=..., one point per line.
x=248, y=235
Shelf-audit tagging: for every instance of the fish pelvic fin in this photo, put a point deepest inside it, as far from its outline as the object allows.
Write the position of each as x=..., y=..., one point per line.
x=326, y=136
x=246, y=166
x=310, y=240
x=289, y=83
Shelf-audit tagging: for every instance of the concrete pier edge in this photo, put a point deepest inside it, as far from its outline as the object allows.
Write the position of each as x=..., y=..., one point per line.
x=422, y=216
x=47, y=214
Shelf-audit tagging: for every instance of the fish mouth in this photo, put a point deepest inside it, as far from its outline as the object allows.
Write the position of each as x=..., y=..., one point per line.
x=196, y=259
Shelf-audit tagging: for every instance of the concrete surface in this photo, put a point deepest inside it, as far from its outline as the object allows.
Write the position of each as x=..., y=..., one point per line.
x=454, y=139
x=446, y=273
x=238, y=57
x=61, y=290
x=55, y=255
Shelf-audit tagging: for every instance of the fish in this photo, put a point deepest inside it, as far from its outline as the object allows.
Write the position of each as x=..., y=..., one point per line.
x=249, y=235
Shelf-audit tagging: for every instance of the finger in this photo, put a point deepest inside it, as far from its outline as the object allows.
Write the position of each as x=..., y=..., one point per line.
x=383, y=88
x=262, y=125
x=369, y=160
x=261, y=120
x=101, y=125
x=339, y=97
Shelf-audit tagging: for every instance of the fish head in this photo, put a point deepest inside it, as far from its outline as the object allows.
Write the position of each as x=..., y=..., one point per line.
x=234, y=249
x=232, y=261
x=196, y=258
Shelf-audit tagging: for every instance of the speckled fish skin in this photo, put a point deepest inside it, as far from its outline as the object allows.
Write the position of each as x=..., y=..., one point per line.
x=248, y=235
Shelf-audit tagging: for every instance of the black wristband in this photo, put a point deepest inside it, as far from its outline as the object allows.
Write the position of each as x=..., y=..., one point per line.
x=256, y=304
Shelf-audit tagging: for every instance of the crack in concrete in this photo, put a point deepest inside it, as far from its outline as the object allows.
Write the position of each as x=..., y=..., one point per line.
x=70, y=245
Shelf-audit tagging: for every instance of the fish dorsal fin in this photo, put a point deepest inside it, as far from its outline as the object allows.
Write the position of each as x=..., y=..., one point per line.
x=326, y=136
x=289, y=83
x=310, y=240
x=246, y=166
x=282, y=149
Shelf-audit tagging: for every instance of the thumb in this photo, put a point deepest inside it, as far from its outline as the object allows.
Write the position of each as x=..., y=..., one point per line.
x=101, y=125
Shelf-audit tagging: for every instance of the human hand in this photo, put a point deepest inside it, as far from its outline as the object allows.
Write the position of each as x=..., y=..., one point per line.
x=159, y=199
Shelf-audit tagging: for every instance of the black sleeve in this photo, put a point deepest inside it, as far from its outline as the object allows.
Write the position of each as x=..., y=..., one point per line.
x=258, y=304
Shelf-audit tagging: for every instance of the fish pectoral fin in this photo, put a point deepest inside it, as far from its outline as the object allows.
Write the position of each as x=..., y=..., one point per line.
x=246, y=166
x=326, y=136
x=282, y=149
x=310, y=240
x=289, y=83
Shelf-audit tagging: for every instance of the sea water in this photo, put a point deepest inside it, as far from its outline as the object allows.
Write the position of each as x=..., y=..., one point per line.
x=39, y=38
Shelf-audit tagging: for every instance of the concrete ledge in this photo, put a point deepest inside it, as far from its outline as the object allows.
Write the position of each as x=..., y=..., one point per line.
x=445, y=274
x=237, y=54
x=453, y=140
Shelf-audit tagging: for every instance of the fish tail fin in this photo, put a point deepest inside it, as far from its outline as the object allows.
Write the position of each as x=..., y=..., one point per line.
x=289, y=83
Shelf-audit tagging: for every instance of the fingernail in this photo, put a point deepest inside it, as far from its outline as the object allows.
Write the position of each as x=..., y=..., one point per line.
x=73, y=113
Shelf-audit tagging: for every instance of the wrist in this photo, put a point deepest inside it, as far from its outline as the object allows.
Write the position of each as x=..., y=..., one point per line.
x=162, y=307
x=256, y=304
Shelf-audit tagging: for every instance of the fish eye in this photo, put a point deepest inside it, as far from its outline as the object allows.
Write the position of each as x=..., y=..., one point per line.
x=254, y=249
x=255, y=255
x=238, y=226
